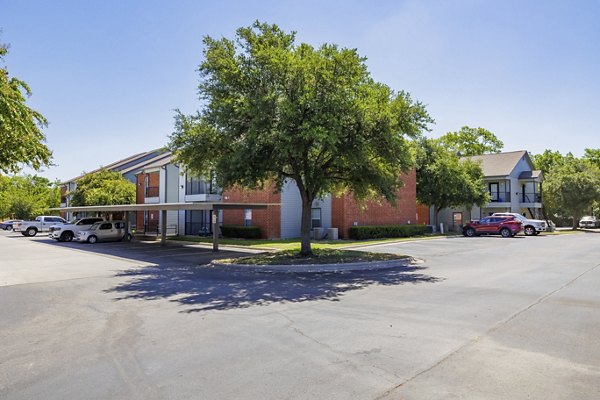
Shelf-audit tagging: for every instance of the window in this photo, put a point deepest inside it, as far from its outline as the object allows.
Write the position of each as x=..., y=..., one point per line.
x=315, y=216
x=494, y=192
x=106, y=226
x=248, y=217
x=200, y=186
x=119, y=225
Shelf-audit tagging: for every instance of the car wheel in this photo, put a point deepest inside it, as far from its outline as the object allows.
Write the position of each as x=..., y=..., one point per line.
x=31, y=232
x=127, y=237
x=536, y=233
x=66, y=236
x=24, y=233
x=505, y=232
x=92, y=239
x=529, y=230
x=470, y=232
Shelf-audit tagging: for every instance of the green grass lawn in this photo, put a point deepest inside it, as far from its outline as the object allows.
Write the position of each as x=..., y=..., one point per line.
x=291, y=244
x=320, y=256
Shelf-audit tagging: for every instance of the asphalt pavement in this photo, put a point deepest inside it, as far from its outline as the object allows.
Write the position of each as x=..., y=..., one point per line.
x=479, y=318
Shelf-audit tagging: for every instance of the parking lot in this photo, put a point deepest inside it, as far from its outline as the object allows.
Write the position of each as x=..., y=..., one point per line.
x=485, y=317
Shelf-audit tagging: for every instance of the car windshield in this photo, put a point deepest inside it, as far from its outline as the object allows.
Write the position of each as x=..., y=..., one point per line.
x=95, y=226
x=73, y=221
x=587, y=218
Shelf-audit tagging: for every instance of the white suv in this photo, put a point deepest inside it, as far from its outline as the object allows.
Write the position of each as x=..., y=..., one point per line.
x=67, y=232
x=530, y=226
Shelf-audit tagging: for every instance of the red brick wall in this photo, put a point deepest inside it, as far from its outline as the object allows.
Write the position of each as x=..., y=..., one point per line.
x=139, y=199
x=268, y=220
x=423, y=214
x=345, y=210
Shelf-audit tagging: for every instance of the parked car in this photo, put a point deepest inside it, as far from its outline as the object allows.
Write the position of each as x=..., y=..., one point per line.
x=530, y=226
x=589, y=222
x=66, y=232
x=41, y=224
x=104, y=231
x=505, y=226
x=8, y=225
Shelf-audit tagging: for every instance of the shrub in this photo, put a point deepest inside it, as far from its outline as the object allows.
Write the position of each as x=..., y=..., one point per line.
x=385, y=231
x=243, y=232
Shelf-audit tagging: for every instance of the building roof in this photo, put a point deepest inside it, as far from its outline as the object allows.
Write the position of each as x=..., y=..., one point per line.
x=500, y=164
x=125, y=163
x=531, y=174
x=158, y=162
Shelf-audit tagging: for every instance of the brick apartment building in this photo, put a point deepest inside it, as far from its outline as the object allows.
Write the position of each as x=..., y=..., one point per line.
x=283, y=221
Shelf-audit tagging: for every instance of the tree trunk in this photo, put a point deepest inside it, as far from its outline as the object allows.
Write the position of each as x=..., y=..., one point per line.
x=305, y=226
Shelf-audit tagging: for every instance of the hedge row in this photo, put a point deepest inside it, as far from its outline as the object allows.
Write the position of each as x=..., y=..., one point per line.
x=239, y=231
x=385, y=231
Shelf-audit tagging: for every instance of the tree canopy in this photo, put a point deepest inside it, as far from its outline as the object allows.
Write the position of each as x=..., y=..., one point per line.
x=276, y=110
x=21, y=138
x=550, y=159
x=27, y=196
x=471, y=142
x=445, y=180
x=572, y=188
x=103, y=188
x=592, y=156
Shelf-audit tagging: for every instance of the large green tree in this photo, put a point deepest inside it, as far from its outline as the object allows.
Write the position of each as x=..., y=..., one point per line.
x=571, y=189
x=276, y=110
x=551, y=159
x=21, y=138
x=27, y=196
x=592, y=156
x=103, y=188
x=471, y=142
x=446, y=180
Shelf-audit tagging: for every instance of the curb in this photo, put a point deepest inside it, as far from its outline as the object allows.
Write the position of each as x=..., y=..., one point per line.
x=316, y=268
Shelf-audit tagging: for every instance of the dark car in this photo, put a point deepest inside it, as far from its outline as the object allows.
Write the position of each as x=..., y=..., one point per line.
x=505, y=226
x=7, y=225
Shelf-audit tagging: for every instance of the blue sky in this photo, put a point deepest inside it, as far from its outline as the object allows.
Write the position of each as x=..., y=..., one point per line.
x=109, y=74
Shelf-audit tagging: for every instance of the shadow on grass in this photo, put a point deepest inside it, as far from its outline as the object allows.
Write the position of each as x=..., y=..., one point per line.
x=205, y=289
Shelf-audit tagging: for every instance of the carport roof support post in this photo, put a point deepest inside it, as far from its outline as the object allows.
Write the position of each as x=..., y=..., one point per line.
x=163, y=228
x=215, y=227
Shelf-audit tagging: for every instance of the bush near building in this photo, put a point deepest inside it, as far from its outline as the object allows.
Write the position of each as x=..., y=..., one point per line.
x=385, y=231
x=243, y=232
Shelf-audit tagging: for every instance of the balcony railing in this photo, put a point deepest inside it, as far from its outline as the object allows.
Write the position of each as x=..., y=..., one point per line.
x=152, y=191
x=198, y=228
x=531, y=197
x=500, y=197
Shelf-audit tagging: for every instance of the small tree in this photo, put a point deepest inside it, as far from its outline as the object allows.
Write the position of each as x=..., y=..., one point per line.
x=278, y=111
x=103, y=188
x=21, y=138
x=471, y=142
x=445, y=180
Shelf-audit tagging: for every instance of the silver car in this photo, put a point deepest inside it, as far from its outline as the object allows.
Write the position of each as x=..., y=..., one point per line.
x=104, y=231
x=589, y=222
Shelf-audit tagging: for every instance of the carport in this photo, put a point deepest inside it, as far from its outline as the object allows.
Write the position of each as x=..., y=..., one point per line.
x=164, y=207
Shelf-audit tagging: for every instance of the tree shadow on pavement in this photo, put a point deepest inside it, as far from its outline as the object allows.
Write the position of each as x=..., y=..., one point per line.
x=206, y=288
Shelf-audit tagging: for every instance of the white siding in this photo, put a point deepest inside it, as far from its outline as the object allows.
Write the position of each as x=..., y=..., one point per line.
x=291, y=210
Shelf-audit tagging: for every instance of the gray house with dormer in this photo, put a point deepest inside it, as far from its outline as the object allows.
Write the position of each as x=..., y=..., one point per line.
x=513, y=185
